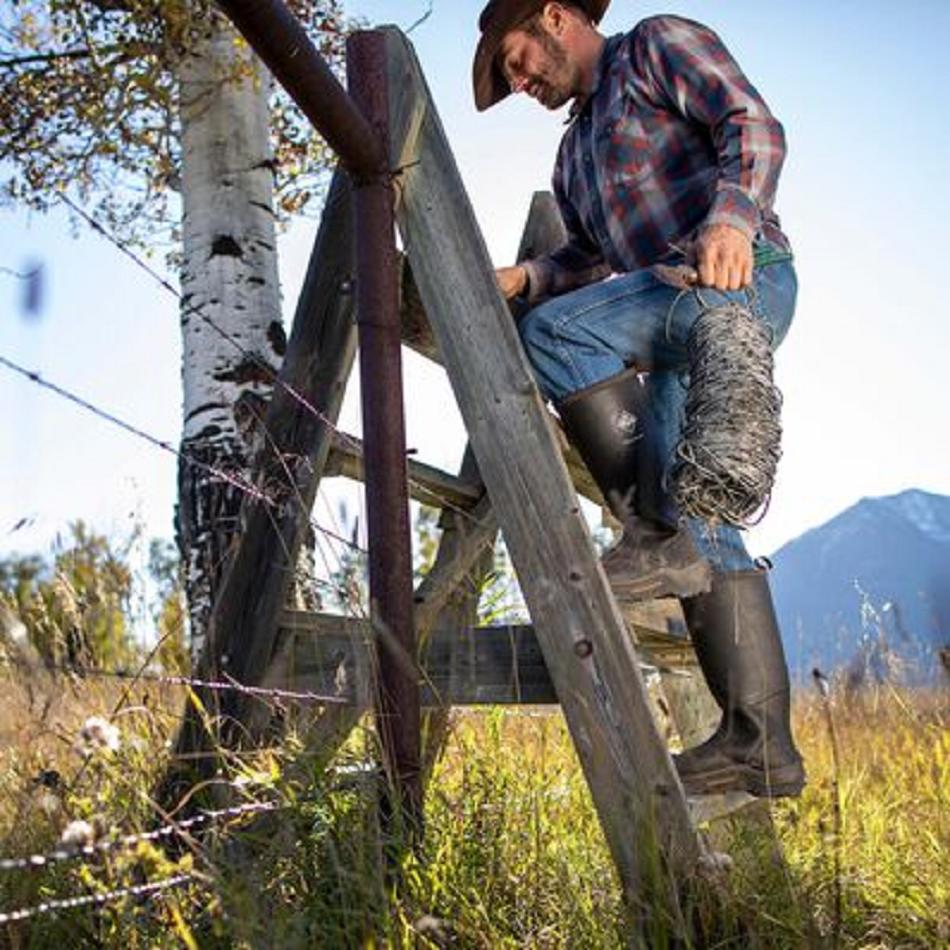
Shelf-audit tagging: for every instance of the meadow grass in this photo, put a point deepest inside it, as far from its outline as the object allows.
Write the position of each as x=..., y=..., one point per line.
x=513, y=855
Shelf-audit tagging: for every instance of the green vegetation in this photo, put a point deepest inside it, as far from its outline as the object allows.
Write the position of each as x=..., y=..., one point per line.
x=513, y=855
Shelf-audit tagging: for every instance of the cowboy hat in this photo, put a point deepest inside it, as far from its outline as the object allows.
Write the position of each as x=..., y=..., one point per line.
x=498, y=18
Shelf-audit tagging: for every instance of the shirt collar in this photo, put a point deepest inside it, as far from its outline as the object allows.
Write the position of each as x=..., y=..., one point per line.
x=606, y=55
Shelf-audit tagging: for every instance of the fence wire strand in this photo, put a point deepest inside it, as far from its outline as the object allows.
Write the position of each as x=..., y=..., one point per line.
x=35, y=377
x=36, y=861
x=272, y=375
x=235, y=481
x=95, y=900
x=262, y=692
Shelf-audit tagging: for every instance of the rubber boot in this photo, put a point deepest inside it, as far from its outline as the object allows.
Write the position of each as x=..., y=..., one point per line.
x=609, y=424
x=737, y=641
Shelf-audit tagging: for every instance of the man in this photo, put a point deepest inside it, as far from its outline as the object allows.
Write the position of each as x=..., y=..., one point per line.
x=669, y=157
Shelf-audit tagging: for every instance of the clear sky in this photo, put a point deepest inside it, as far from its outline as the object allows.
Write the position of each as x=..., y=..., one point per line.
x=861, y=88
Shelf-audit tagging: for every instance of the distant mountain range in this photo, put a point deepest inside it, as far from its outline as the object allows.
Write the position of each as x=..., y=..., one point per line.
x=869, y=590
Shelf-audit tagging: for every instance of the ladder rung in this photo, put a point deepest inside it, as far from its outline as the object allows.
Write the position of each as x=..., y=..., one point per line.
x=491, y=664
x=427, y=484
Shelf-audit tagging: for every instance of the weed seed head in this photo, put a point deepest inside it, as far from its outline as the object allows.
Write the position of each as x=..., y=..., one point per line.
x=97, y=735
x=77, y=834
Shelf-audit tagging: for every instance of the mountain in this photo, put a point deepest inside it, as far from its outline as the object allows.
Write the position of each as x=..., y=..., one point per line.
x=869, y=589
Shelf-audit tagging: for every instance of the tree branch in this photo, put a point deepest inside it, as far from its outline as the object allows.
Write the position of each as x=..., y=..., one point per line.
x=84, y=53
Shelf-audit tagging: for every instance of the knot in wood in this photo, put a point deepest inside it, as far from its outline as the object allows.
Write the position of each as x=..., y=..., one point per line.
x=583, y=648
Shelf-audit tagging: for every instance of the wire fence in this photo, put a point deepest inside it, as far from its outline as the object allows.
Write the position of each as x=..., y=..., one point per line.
x=172, y=829
x=235, y=480
x=270, y=373
x=239, y=480
x=263, y=692
x=96, y=900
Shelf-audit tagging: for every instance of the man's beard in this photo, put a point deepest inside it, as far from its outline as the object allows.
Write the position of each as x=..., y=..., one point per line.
x=554, y=96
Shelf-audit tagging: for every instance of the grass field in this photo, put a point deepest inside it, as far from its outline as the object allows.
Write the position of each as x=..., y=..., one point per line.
x=513, y=854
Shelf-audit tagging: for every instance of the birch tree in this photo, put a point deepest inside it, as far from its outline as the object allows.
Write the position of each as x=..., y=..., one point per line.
x=157, y=117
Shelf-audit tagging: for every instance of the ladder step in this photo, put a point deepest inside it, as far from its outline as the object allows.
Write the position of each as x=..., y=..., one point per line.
x=482, y=665
x=427, y=484
x=704, y=808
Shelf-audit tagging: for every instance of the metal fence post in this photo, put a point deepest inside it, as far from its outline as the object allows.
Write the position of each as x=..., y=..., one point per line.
x=390, y=556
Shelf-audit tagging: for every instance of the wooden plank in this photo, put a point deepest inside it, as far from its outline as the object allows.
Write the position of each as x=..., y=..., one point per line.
x=460, y=666
x=692, y=708
x=427, y=484
x=589, y=655
x=457, y=567
x=656, y=649
x=544, y=230
x=416, y=331
x=316, y=367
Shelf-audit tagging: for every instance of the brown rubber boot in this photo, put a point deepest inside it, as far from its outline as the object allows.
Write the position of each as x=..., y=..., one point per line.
x=739, y=648
x=610, y=425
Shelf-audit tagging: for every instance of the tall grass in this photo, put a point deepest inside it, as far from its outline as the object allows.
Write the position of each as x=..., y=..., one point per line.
x=513, y=855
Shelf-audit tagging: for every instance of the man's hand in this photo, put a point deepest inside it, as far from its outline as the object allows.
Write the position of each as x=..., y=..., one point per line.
x=511, y=280
x=723, y=258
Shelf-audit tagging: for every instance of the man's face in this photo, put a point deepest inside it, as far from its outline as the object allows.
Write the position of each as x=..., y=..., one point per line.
x=540, y=66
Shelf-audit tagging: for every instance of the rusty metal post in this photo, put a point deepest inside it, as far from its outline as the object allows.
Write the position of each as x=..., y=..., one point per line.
x=280, y=40
x=384, y=445
x=356, y=128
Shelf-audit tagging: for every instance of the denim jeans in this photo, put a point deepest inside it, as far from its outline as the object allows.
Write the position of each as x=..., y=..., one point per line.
x=591, y=334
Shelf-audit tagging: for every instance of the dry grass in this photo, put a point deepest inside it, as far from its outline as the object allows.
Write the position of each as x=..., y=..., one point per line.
x=513, y=857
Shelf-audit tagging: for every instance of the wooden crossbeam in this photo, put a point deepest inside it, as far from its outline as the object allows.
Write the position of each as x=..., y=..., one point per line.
x=488, y=665
x=427, y=484
x=591, y=659
x=459, y=667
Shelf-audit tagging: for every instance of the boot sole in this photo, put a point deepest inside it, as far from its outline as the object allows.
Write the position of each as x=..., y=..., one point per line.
x=787, y=781
x=688, y=581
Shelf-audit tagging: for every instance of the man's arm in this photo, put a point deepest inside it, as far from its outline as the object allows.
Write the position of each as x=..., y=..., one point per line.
x=694, y=74
x=578, y=262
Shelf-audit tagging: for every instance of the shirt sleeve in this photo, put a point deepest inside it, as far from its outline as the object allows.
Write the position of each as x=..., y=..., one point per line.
x=692, y=72
x=577, y=262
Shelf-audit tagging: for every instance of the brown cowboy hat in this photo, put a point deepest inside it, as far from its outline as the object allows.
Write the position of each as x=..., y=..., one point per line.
x=497, y=19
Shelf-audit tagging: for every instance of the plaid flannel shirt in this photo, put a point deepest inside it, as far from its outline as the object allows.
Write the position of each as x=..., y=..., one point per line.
x=672, y=137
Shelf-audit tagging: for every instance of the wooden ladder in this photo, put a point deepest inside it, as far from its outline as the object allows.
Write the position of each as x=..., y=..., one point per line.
x=518, y=476
x=580, y=650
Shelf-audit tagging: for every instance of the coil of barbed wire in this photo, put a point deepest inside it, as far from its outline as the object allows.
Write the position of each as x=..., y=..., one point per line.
x=726, y=460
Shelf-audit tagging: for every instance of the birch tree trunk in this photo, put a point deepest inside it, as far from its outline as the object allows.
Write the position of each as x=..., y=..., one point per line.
x=229, y=276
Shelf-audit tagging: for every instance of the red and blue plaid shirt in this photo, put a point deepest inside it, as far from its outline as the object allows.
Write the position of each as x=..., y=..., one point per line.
x=672, y=137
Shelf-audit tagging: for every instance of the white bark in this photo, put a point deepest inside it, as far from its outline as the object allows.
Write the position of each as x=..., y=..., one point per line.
x=229, y=275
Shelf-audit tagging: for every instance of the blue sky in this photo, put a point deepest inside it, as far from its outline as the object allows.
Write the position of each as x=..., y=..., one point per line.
x=860, y=88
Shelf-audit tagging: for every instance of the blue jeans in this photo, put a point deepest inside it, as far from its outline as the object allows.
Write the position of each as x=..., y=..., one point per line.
x=591, y=334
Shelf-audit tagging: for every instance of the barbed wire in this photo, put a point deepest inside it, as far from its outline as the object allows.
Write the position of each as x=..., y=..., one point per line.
x=264, y=692
x=270, y=372
x=20, y=275
x=418, y=22
x=36, y=861
x=197, y=310
x=95, y=900
x=236, y=481
x=34, y=376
